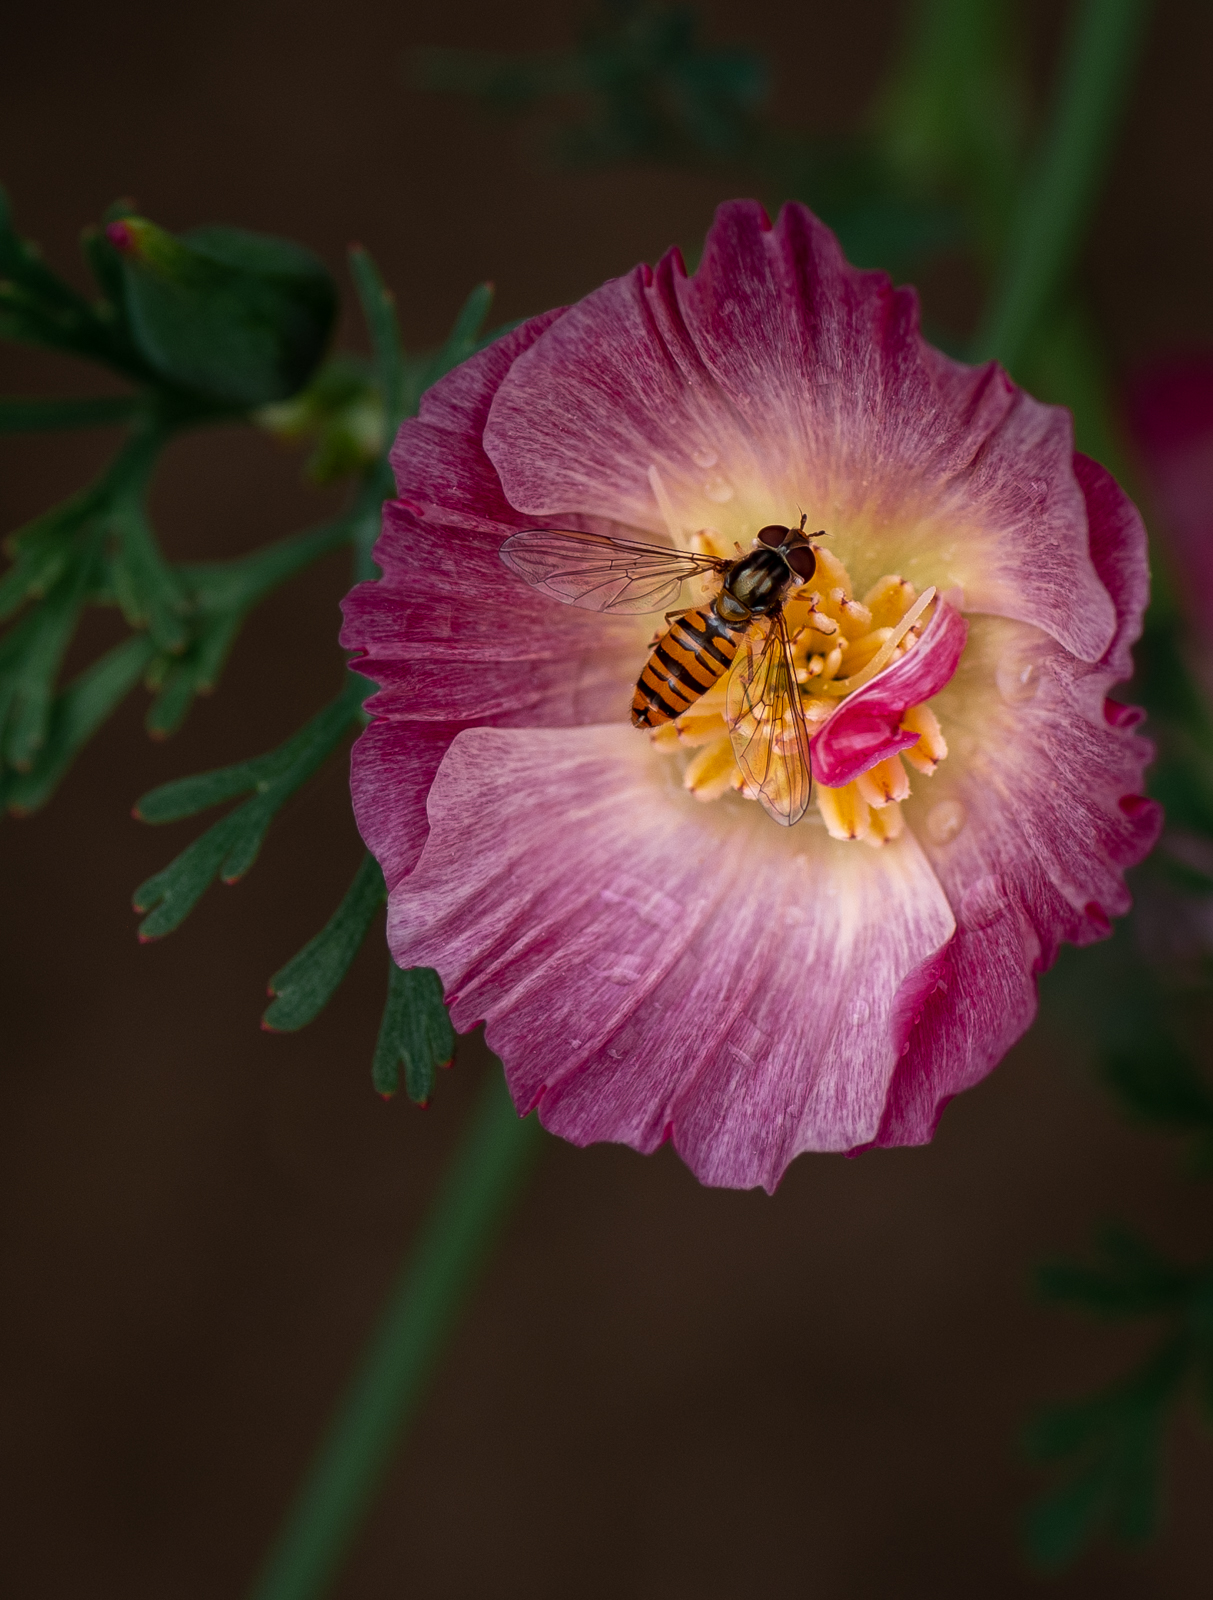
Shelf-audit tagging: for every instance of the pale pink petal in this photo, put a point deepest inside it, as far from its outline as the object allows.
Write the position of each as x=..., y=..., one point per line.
x=648, y=967
x=866, y=727
x=780, y=377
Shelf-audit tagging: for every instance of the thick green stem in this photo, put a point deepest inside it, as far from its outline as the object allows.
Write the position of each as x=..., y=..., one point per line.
x=455, y=1238
x=1059, y=196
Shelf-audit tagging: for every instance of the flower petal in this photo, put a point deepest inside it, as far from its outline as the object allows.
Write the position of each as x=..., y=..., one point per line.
x=449, y=635
x=1029, y=824
x=649, y=967
x=867, y=725
x=438, y=456
x=778, y=376
x=392, y=766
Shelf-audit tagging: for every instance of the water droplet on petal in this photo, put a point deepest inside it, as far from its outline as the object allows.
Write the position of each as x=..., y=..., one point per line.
x=704, y=457
x=982, y=903
x=1018, y=681
x=945, y=820
x=859, y=1013
x=718, y=489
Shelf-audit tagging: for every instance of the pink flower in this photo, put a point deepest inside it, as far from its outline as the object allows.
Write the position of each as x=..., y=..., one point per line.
x=653, y=956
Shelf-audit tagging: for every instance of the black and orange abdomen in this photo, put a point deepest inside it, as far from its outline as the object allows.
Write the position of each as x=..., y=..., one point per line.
x=687, y=660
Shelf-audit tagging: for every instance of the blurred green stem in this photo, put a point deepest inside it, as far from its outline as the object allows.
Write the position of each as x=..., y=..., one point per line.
x=464, y=1218
x=1060, y=192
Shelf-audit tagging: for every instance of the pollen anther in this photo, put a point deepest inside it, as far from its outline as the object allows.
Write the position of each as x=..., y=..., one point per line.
x=832, y=634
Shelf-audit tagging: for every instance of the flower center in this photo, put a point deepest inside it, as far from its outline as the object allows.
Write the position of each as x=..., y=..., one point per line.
x=839, y=644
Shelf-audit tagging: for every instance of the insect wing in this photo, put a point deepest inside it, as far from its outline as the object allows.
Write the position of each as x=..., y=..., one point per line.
x=599, y=573
x=766, y=721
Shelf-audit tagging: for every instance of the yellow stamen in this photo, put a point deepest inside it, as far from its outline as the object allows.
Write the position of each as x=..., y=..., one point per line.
x=885, y=783
x=830, y=573
x=889, y=600
x=885, y=654
x=856, y=619
x=712, y=771
x=831, y=664
x=845, y=812
x=884, y=825
x=859, y=652
x=831, y=633
x=932, y=747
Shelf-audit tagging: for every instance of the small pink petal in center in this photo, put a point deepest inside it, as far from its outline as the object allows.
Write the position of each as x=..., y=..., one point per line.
x=866, y=728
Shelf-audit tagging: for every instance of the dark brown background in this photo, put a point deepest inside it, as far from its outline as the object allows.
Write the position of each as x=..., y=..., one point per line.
x=661, y=1391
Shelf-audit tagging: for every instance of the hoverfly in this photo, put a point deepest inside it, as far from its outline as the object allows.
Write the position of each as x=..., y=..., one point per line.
x=742, y=628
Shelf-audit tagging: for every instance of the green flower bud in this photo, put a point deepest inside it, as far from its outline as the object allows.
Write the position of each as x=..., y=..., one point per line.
x=236, y=317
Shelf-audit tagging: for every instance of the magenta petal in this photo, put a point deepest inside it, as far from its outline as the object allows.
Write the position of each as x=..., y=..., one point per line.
x=866, y=727
x=1118, y=550
x=806, y=383
x=392, y=767
x=648, y=967
x=1054, y=816
x=450, y=636
x=438, y=456
x=651, y=968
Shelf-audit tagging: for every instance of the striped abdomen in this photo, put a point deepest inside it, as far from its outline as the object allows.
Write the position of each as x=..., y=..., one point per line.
x=687, y=660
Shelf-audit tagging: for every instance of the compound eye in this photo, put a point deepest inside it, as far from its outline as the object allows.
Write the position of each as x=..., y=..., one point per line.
x=773, y=535
x=802, y=561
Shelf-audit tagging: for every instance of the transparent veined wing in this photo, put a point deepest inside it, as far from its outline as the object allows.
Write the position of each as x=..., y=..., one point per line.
x=600, y=573
x=766, y=721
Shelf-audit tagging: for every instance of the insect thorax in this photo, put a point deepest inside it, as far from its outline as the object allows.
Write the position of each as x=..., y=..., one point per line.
x=757, y=583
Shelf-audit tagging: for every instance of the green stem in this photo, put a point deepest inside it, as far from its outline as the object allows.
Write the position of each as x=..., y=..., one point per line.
x=467, y=1212
x=1058, y=197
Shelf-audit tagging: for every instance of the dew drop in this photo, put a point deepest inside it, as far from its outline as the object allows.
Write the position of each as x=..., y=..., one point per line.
x=945, y=820
x=704, y=457
x=718, y=489
x=1018, y=681
x=982, y=903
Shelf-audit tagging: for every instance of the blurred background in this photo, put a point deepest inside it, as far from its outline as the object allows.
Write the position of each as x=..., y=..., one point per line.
x=659, y=1390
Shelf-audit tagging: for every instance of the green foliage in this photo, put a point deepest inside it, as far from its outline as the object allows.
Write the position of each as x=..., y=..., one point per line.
x=76, y=713
x=651, y=90
x=379, y=309
x=229, y=848
x=208, y=324
x=953, y=118
x=1127, y=1278
x=309, y=980
x=342, y=410
x=37, y=307
x=1163, y=1085
x=416, y=1032
x=41, y=416
x=1113, y=1441
x=237, y=317
x=1057, y=198
x=385, y=389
